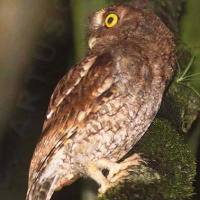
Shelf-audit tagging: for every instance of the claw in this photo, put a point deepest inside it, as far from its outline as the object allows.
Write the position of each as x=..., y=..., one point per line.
x=124, y=166
x=120, y=177
x=118, y=172
x=104, y=187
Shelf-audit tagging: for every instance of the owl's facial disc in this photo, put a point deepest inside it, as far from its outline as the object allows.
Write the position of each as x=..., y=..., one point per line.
x=106, y=27
x=108, y=21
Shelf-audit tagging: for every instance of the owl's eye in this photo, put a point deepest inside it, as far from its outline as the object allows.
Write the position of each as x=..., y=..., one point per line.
x=111, y=20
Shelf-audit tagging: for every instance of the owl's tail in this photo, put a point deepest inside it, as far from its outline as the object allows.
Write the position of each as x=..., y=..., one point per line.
x=42, y=191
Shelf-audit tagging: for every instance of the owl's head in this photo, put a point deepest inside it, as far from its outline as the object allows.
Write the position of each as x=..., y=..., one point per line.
x=126, y=23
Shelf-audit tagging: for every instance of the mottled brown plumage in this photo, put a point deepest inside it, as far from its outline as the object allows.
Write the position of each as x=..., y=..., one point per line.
x=104, y=104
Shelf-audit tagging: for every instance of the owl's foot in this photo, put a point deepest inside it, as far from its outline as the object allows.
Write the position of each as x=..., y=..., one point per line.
x=117, y=171
x=120, y=170
x=95, y=173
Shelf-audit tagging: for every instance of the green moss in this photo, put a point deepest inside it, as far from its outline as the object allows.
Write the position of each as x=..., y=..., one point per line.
x=169, y=173
x=180, y=106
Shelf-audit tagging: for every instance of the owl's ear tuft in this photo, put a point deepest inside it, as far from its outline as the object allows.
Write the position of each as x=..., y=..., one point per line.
x=97, y=19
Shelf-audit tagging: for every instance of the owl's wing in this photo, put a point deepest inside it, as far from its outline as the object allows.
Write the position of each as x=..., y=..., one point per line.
x=80, y=92
x=67, y=84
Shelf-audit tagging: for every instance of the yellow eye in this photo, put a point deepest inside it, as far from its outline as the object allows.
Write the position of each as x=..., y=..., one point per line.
x=111, y=20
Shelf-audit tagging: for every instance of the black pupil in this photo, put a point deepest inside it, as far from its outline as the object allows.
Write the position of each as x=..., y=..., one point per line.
x=110, y=20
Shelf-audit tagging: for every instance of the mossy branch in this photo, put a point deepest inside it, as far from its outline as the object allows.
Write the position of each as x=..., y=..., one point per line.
x=169, y=173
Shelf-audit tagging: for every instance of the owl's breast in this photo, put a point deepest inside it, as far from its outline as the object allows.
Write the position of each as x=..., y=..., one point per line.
x=116, y=127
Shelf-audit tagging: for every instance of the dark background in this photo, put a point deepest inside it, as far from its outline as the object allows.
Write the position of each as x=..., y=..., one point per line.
x=39, y=42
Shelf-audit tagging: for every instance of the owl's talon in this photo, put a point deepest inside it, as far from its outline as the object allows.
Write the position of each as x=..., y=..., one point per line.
x=120, y=177
x=138, y=157
x=123, y=174
x=124, y=166
x=104, y=187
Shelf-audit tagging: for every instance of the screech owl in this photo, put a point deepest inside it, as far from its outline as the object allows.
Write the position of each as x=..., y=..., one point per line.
x=104, y=104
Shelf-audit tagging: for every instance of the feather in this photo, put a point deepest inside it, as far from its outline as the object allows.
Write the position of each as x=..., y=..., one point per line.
x=42, y=191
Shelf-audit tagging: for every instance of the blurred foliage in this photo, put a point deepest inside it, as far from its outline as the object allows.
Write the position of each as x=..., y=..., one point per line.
x=190, y=35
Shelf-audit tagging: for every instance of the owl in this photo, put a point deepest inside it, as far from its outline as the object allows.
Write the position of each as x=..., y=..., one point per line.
x=102, y=107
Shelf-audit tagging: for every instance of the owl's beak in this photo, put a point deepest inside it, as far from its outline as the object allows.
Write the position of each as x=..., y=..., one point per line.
x=91, y=42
